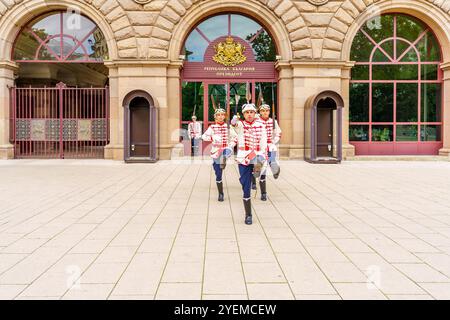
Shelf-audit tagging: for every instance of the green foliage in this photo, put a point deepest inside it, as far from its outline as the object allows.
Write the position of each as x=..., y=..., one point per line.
x=263, y=47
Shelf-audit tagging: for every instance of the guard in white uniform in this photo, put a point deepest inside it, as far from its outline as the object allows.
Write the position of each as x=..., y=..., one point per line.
x=195, y=134
x=251, y=138
x=273, y=138
x=222, y=146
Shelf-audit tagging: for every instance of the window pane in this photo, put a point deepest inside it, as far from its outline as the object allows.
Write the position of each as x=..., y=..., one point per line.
x=380, y=27
x=215, y=27
x=359, y=133
x=407, y=101
x=77, y=26
x=360, y=72
x=431, y=102
x=430, y=71
x=382, y=133
x=45, y=54
x=195, y=47
x=386, y=54
x=408, y=28
x=407, y=133
x=192, y=93
x=430, y=133
x=379, y=56
x=26, y=47
x=361, y=48
x=269, y=90
x=410, y=56
x=45, y=26
x=243, y=27
x=383, y=102
x=359, y=102
x=218, y=93
x=263, y=47
x=429, y=48
x=395, y=72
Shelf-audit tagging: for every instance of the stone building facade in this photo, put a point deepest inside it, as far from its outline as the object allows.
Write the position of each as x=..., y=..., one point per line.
x=145, y=41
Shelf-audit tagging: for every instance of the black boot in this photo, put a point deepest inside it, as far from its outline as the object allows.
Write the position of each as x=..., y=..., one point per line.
x=220, y=189
x=253, y=183
x=248, y=211
x=262, y=185
x=275, y=169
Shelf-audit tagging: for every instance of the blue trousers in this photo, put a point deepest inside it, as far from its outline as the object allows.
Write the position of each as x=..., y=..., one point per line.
x=218, y=171
x=246, y=173
x=195, y=143
x=226, y=153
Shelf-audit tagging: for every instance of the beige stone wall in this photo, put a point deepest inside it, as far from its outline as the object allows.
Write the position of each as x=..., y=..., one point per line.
x=145, y=40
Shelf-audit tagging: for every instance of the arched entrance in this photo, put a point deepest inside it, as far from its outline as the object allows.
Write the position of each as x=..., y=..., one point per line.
x=396, y=88
x=323, y=128
x=60, y=101
x=140, y=127
x=229, y=59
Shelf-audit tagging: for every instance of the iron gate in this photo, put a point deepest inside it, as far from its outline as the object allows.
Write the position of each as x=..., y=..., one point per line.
x=59, y=122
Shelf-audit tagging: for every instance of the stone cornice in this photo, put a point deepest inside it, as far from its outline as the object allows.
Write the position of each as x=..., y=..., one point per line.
x=138, y=63
x=323, y=63
x=4, y=64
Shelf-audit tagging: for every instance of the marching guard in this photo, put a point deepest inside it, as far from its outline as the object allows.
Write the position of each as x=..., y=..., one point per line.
x=222, y=147
x=195, y=132
x=251, y=137
x=273, y=138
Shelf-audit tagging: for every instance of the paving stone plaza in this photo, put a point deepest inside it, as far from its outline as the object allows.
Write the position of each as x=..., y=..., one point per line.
x=105, y=230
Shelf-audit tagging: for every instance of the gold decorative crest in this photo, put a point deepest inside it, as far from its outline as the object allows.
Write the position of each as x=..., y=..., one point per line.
x=229, y=53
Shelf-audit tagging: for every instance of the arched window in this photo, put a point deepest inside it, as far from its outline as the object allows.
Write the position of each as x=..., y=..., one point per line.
x=235, y=25
x=395, y=91
x=60, y=37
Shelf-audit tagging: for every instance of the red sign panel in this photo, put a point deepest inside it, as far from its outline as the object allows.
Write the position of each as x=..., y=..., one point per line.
x=210, y=69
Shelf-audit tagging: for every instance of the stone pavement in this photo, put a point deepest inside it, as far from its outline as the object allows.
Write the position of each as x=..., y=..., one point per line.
x=106, y=230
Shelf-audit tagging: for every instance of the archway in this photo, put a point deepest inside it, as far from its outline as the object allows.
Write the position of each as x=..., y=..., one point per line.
x=229, y=58
x=60, y=101
x=140, y=127
x=323, y=127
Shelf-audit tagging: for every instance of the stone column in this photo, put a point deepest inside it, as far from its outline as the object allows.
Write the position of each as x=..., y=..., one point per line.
x=285, y=101
x=348, y=150
x=445, y=151
x=172, y=147
x=7, y=70
x=114, y=150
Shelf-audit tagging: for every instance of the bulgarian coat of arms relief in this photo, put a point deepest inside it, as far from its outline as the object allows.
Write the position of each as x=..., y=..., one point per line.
x=229, y=53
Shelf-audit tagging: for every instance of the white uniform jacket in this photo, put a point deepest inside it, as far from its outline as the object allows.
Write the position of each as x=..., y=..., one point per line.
x=251, y=139
x=273, y=134
x=220, y=136
x=195, y=130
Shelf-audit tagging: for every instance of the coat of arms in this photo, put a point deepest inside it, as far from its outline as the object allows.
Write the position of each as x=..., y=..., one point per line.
x=229, y=53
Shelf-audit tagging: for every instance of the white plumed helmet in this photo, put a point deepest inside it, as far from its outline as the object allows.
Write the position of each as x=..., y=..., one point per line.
x=248, y=106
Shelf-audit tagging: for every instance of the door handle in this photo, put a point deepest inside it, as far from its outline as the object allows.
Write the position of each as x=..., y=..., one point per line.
x=133, y=147
x=329, y=147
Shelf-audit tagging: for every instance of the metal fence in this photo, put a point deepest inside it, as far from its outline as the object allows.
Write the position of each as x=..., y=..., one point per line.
x=59, y=122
